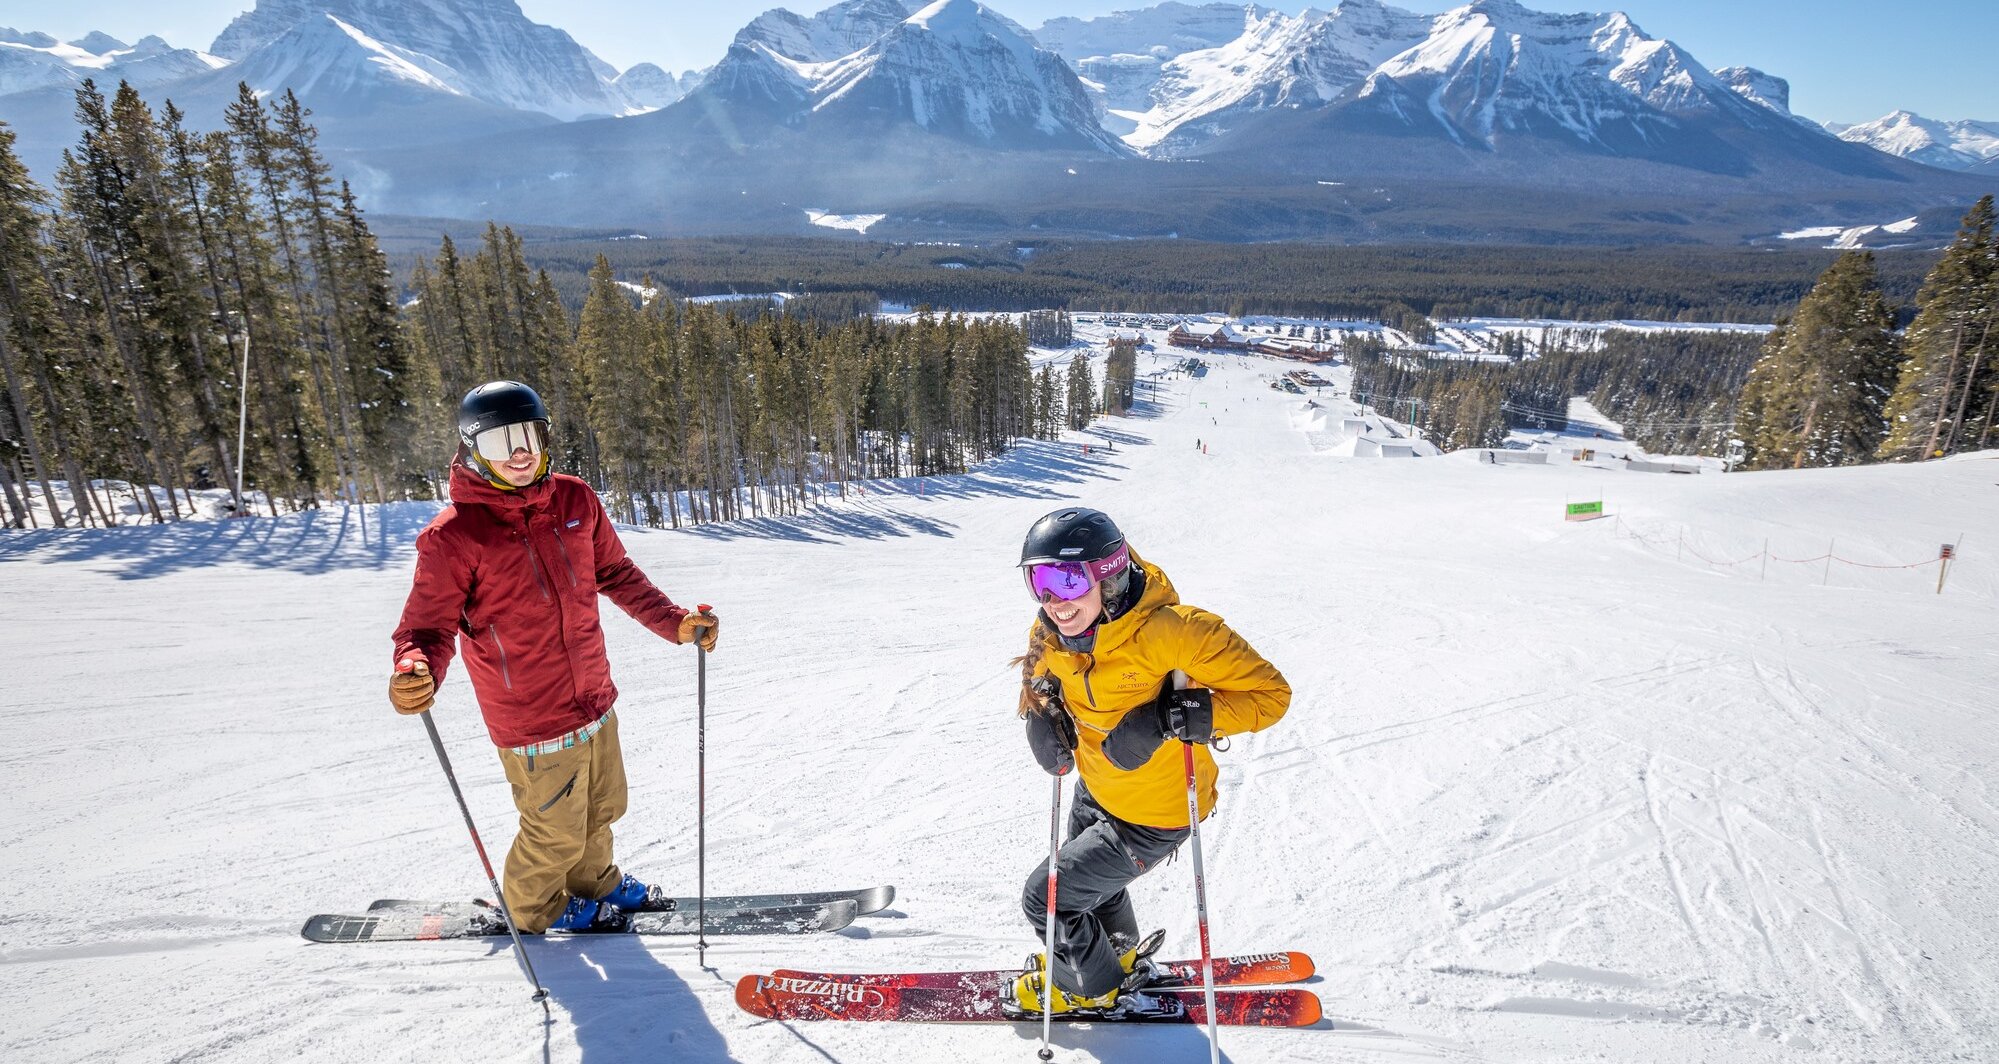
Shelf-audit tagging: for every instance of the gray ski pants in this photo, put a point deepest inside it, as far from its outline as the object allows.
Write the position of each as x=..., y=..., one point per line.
x=1094, y=920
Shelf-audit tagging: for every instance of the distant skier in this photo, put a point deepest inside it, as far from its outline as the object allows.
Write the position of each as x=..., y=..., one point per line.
x=512, y=570
x=1097, y=696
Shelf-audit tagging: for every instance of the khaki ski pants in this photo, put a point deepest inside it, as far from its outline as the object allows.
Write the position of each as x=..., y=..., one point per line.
x=567, y=801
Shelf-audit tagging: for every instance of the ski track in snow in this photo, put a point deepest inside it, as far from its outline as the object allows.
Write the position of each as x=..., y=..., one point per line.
x=1545, y=792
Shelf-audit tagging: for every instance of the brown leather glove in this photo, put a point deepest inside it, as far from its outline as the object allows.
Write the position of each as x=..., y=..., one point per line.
x=411, y=690
x=700, y=627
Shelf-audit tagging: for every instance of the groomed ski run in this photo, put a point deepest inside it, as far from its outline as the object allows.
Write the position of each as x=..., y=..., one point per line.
x=1547, y=790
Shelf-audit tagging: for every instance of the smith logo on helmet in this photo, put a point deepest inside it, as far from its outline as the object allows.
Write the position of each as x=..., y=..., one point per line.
x=1070, y=552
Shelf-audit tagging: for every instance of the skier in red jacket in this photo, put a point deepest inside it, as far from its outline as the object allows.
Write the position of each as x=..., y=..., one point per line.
x=510, y=572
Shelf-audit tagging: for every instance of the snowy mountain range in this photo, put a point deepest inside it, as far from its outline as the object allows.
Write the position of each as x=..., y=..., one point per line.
x=955, y=68
x=872, y=106
x=484, y=49
x=31, y=61
x=1964, y=145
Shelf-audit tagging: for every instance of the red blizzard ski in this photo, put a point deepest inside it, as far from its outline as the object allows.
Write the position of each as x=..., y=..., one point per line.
x=1255, y=969
x=977, y=997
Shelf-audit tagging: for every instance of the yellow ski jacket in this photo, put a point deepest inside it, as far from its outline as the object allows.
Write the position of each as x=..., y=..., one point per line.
x=1133, y=657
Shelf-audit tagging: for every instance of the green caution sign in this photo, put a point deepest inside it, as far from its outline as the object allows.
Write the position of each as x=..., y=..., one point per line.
x=1585, y=511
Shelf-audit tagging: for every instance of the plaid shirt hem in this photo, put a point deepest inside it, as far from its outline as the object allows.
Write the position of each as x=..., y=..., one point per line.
x=564, y=741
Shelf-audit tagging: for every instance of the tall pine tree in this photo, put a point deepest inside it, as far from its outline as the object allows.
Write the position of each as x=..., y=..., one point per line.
x=1944, y=395
x=1816, y=399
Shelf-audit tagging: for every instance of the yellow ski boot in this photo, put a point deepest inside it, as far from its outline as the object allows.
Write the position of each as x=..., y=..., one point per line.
x=1023, y=995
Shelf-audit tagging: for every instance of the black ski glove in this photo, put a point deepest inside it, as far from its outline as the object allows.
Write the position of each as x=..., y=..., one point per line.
x=1051, y=734
x=1136, y=737
x=1189, y=715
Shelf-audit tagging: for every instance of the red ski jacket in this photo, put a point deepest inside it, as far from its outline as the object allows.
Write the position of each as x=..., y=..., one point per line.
x=515, y=576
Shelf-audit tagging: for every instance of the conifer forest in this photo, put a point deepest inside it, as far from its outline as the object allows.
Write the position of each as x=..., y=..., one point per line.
x=180, y=303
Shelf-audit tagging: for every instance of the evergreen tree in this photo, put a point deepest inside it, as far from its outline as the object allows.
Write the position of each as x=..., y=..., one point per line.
x=261, y=151
x=293, y=139
x=1047, y=404
x=608, y=355
x=1121, y=376
x=1943, y=398
x=107, y=224
x=31, y=337
x=1082, y=393
x=398, y=417
x=1817, y=399
x=284, y=437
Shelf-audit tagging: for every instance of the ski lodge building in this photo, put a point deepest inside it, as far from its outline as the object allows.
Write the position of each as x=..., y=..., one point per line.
x=1226, y=337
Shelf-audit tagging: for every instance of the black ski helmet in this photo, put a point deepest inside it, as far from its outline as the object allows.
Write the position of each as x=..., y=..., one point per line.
x=1080, y=534
x=491, y=405
x=497, y=403
x=1074, y=534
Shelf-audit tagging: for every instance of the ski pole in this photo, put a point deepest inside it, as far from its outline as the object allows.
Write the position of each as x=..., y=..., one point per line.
x=1047, y=1051
x=701, y=773
x=1201, y=903
x=520, y=951
x=1200, y=887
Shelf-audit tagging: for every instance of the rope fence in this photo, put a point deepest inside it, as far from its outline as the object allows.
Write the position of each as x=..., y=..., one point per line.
x=1680, y=548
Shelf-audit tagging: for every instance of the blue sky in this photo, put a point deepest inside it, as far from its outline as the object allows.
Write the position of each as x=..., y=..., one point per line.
x=1847, y=60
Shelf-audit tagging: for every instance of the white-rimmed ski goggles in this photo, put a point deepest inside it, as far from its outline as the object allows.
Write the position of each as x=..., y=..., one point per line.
x=499, y=443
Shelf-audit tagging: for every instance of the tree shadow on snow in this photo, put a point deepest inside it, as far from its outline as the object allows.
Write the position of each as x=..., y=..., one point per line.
x=623, y=1004
x=1035, y=469
x=333, y=538
x=315, y=541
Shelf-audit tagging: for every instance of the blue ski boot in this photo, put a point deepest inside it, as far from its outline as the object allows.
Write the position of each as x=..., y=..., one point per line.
x=584, y=916
x=631, y=895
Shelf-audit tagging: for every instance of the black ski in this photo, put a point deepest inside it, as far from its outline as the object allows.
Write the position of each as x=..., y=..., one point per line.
x=476, y=921
x=867, y=900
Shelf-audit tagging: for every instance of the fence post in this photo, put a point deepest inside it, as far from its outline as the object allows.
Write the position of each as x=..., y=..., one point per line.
x=1943, y=567
x=1827, y=578
x=1764, y=570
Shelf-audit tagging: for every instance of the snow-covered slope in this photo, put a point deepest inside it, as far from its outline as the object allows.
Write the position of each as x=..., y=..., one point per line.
x=493, y=52
x=840, y=30
x=647, y=86
x=1546, y=791
x=32, y=61
x=955, y=68
x=1121, y=56
x=1494, y=67
x=1279, y=61
x=1475, y=76
x=1162, y=31
x=1758, y=87
x=326, y=56
x=1962, y=145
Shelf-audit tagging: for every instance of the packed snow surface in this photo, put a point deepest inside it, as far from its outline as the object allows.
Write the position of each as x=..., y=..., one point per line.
x=1547, y=791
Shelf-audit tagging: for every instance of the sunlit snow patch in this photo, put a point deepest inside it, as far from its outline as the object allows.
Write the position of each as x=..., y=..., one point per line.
x=859, y=223
x=1848, y=236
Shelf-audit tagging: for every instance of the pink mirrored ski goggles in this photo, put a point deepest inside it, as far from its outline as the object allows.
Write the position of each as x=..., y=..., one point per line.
x=1069, y=581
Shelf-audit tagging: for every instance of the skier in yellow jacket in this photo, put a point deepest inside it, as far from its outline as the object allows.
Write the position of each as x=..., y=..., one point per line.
x=1099, y=697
